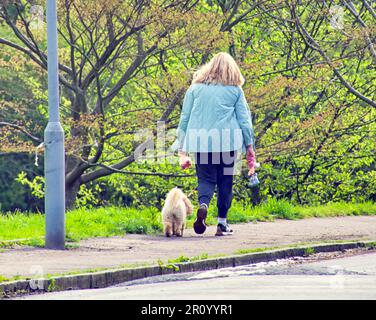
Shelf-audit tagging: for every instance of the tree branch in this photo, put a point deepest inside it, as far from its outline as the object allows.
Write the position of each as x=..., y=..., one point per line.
x=309, y=41
x=107, y=171
x=24, y=131
x=164, y=175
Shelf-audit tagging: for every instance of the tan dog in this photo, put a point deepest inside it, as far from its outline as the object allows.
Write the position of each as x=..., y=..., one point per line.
x=175, y=211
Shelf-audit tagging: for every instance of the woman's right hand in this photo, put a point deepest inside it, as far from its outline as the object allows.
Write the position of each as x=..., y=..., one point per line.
x=184, y=161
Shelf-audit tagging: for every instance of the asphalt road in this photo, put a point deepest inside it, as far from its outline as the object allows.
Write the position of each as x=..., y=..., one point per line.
x=345, y=278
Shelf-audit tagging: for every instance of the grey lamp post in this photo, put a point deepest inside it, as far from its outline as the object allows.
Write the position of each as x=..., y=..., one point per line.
x=54, y=143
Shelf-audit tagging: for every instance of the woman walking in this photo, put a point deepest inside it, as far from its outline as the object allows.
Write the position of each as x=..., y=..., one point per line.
x=215, y=125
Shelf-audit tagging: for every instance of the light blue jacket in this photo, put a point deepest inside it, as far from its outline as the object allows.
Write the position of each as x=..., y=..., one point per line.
x=215, y=118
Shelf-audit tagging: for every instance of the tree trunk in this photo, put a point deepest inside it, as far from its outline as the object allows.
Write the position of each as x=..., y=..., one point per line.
x=71, y=187
x=71, y=192
x=256, y=198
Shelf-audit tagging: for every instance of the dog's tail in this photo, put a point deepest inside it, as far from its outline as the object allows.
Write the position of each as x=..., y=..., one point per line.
x=173, y=197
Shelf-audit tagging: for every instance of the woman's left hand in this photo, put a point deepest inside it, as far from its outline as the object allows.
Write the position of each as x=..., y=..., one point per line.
x=251, y=159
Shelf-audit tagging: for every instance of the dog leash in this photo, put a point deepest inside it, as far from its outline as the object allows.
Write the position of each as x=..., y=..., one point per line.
x=191, y=192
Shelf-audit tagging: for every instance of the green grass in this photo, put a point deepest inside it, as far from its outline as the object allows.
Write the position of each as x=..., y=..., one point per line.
x=282, y=209
x=111, y=221
x=309, y=251
x=28, y=229
x=183, y=258
x=80, y=224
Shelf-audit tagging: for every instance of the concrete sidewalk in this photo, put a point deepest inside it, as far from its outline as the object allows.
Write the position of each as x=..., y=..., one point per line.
x=131, y=249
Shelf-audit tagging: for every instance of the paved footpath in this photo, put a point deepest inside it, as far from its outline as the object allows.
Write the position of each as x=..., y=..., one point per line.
x=117, y=251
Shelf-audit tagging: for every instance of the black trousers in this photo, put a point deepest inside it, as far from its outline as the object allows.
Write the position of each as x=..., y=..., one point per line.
x=216, y=169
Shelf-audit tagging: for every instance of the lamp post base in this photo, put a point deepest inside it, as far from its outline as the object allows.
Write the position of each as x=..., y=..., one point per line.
x=55, y=186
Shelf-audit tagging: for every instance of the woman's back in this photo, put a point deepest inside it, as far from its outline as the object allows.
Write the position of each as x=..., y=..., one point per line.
x=213, y=117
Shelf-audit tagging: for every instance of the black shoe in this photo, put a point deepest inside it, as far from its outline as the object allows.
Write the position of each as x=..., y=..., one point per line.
x=223, y=230
x=199, y=226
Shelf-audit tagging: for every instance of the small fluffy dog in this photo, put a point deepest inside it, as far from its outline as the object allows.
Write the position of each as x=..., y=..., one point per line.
x=175, y=211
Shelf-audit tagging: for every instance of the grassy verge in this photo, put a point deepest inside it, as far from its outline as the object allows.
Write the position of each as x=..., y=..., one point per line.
x=80, y=224
x=28, y=229
x=281, y=209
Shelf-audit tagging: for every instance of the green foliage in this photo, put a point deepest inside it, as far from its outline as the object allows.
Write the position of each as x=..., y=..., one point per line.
x=88, y=197
x=4, y=279
x=17, y=99
x=12, y=195
x=182, y=258
x=52, y=286
x=36, y=185
x=179, y=259
x=309, y=251
x=143, y=191
x=171, y=263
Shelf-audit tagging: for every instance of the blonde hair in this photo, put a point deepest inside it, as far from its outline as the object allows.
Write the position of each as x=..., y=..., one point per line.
x=221, y=69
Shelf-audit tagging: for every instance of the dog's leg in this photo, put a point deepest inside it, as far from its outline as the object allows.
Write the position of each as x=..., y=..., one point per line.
x=179, y=229
x=168, y=229
x=188, y=205
x=182, y=229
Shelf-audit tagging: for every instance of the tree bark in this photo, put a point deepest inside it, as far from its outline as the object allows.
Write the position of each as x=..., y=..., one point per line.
x=72, y=185
x=71, y=192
